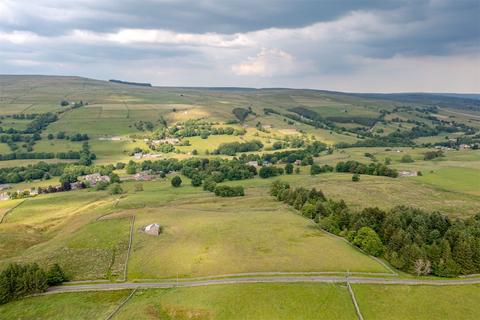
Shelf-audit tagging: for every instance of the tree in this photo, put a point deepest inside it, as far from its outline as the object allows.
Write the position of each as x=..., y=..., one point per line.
x=297, y=170
x=369, y=241
x=422, y=267
x=131, y=167
x=176, y=181
x=356, y=177
x=289, y=168
x=116, y=189
x=407, y=159
x=315, y=169
x=55, y=275
x=196, y=180
x=209, y=184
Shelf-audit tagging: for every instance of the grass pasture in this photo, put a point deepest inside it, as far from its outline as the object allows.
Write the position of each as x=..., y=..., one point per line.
x=418, y=302
x=78, y=305
x=245, y=301
x=203, y=236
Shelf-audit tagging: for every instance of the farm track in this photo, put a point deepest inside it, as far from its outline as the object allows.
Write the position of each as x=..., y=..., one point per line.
x=172, y=283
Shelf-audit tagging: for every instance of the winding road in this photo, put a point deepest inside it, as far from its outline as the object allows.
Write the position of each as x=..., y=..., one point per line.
x=171, y=283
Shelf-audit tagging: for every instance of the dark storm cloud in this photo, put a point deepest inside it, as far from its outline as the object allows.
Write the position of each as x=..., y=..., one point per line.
x=261, y=42
x=182, y=16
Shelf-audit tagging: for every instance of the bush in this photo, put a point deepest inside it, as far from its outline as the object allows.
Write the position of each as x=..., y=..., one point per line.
x=227, y=191
x=176, y=181
x=356, y=177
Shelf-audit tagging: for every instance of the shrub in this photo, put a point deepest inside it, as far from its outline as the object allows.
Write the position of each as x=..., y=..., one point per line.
x=356, y=177
x=176, y=181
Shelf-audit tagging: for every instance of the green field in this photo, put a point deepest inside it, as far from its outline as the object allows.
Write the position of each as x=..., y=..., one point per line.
x=246, y=301
x=418, y=302
x=81, y=305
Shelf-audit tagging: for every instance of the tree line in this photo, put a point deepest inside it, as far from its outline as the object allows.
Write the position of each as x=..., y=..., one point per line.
x=17, y=280
x=410, y=239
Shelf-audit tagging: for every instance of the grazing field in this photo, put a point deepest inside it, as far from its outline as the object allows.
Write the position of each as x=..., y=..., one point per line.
x=204, y=237
x=418, y=302
x=246, y=301
x=80, y=305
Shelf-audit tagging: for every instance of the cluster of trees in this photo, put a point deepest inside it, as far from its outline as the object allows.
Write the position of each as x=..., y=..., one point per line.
x=317, y=169
x=17, y=280
x=373, y=169
x=232, y=148
x=40, y=170
x=228, y=191
x=270, y=171
x=144, y=125
x=430, y=155
x=193, y=128
x=412, y=240
x=74, y=137
x=40, y=122
x=84, y=156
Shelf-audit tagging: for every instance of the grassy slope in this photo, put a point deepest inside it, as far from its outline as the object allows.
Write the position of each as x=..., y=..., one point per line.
x=418, y=302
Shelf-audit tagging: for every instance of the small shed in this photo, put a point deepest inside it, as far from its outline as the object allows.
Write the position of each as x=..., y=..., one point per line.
x=153, y=229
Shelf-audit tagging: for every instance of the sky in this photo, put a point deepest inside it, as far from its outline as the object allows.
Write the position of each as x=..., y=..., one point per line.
x=343, y=45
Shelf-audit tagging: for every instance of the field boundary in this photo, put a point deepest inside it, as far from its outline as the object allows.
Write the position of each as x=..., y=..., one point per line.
x=172, y=283
x=354, y=300
x=132, y=226
x=10, y=210
x=110, y=316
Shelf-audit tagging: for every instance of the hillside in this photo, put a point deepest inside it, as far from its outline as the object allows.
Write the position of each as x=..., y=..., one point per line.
x=252, y=190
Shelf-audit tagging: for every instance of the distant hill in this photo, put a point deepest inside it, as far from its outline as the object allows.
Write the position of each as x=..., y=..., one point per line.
x=141, y=84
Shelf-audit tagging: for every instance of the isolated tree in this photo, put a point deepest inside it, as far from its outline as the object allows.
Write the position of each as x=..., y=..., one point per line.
x=356, y=177
x=176, y=181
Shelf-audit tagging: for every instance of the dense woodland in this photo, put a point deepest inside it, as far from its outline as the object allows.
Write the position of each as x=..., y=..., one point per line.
x=410, y=239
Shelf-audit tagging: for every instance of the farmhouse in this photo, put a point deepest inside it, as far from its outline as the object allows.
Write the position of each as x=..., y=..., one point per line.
x=407, y=173
x=95, y=178
x=144, y=176
x=152, y=229
x=252, y=163
x=4, y=186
